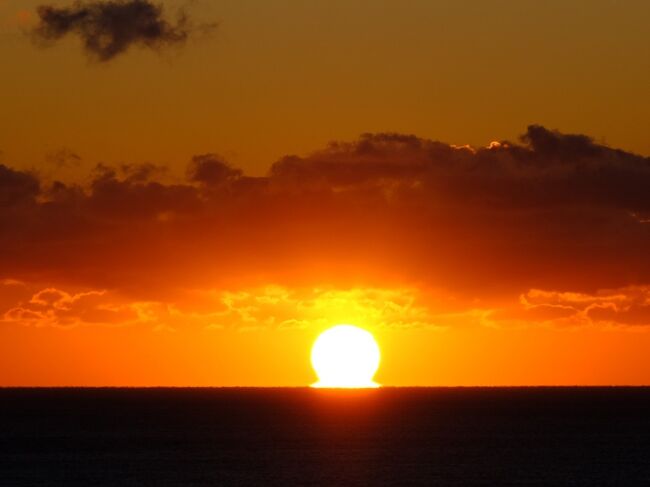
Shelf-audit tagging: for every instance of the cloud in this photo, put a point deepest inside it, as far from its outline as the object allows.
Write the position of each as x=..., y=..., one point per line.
x=63, y=158
x=17, y=187
x=549, y=170
x=270, y=307
x=109, y=28
x=211, y=170
x=551, y=212
x=279, y=307
x=51, y=307
x=276, y=307
x=624, y=307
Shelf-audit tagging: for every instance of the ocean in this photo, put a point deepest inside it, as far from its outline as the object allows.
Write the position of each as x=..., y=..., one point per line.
x=295, y=437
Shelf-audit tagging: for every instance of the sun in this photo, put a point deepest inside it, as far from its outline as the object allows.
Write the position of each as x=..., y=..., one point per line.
x=345, y=356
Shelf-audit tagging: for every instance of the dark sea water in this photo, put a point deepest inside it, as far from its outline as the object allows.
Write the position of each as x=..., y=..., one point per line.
x=402, y=437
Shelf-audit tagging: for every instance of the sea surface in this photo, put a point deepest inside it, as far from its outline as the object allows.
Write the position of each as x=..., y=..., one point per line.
x=294, y=437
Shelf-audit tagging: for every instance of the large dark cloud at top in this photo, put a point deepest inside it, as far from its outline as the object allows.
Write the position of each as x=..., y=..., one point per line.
x=110, y=27
x=554, y=211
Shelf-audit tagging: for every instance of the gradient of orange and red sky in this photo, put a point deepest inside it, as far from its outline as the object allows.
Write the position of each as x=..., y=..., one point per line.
x=155, y=228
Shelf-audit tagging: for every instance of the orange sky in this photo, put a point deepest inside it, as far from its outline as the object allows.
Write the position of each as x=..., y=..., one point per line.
x=156, y=230
x=286, y=77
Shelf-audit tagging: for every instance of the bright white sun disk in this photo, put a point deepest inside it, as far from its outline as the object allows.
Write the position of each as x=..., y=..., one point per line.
x=345, y=356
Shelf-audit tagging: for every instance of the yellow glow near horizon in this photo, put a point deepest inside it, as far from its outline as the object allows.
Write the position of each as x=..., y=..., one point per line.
x=345, y=356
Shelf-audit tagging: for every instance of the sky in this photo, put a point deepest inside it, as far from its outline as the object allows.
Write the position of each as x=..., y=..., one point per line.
x=191, y=192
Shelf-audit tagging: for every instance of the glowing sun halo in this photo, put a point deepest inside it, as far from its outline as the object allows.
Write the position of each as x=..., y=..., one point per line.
x=345, y=356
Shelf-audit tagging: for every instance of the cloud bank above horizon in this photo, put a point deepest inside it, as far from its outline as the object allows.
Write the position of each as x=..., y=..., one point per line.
x=553, y=226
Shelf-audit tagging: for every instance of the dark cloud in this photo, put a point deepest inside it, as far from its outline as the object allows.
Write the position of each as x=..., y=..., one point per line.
x=211, y=170
x=109, y=28
x=551, y=169
x=554, y=211
x=63, y=158
x=17, y=187
x=130, y=194
x=375, y=158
